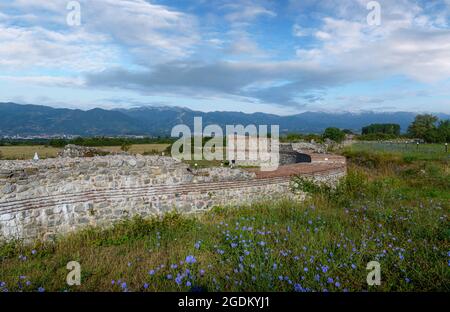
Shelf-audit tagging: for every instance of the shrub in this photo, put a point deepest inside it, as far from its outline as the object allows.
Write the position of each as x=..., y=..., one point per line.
x=334, y=134
x=125, y=147
x=346, y=189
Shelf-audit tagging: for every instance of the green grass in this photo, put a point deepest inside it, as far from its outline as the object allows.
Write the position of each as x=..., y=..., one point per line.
x=386, y=210
x=409, y=152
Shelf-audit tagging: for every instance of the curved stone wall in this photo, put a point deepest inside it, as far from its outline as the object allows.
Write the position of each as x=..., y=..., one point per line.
x=55, y=196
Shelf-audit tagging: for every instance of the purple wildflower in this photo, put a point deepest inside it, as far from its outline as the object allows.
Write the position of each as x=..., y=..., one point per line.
x=298, y=288
x=190, y=259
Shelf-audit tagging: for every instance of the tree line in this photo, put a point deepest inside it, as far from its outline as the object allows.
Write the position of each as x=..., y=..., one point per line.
x=87, y=141
x=425, y=127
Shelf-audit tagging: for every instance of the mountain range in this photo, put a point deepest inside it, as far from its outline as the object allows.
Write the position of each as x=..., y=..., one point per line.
x=35, y=120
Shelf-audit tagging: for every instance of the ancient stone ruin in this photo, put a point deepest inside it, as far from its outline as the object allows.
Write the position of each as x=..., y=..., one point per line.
x=74, y=151
x=45, y=198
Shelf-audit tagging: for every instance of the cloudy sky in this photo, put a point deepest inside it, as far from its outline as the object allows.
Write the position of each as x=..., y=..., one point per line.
x=275, y=56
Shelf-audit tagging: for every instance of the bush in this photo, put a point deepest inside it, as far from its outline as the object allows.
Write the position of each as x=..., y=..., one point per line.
x=297, y=137
x=370, y=160
x=346, y=189
x=334, y=134
x=125, y=147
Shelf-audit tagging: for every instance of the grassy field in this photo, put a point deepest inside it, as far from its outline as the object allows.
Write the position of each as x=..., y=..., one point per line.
x=410, y=151
x=27, y=152
x=139, y=148
x=386, y=209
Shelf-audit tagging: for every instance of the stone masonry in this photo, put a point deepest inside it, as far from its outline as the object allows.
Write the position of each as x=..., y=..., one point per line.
x=45, y=198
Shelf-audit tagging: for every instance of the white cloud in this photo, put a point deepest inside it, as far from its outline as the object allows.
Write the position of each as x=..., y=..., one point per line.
x=151, y=33
x=299, y=31
x=46, y=80
x=161, y=50
x=35, y=47
x=247, y=12
x=406, y=43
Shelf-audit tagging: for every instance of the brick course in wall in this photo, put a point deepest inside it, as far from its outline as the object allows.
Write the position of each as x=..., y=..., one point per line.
x=45, y=198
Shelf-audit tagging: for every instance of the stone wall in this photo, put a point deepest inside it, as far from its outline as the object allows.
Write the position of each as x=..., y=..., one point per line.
x=45, y=198
x=307, y=147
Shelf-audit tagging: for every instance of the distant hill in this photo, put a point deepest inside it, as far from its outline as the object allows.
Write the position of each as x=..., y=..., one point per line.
x=29, y=120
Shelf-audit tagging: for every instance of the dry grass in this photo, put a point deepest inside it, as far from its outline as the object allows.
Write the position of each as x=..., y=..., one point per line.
x=139, y=148
x=27, y=152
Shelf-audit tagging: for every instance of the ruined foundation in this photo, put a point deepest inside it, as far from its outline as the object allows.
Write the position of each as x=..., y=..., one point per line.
x=44, y=198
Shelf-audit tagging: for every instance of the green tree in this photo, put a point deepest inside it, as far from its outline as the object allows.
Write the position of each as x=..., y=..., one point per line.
x=334, y=134
x=444, y=130
x=392, y=129
x=423, y=127
x=348, y=131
